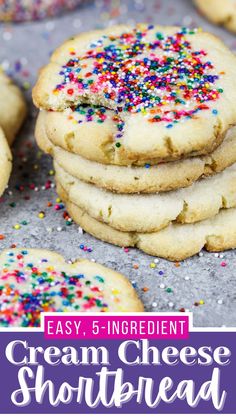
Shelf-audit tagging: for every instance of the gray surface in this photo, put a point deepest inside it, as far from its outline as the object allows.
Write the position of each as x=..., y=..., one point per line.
x=24, y=48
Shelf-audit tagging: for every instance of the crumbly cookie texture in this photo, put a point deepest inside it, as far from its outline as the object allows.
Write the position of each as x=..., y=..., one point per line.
x=5, y=162
x=94, y=132
x=37, y=280
x=176, y=242
x=13, y=107
x=147, y=179
x=153, y=212
x=219, y=12
x=174, y=88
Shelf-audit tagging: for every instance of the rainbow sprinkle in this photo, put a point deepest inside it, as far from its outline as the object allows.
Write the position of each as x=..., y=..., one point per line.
x=28, y=288
x=98, y=114
x=164, y=79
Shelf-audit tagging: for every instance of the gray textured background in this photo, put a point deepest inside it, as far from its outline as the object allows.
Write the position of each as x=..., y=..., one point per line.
x=24, y=48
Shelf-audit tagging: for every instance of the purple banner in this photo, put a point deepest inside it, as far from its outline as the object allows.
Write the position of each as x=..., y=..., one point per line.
x=194, y=375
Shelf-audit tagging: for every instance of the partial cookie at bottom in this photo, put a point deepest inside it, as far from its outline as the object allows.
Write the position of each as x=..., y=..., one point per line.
x=38, y=280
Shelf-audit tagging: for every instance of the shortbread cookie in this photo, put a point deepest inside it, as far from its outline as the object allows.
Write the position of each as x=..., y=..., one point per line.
x=153, y=212
x=174, y=88
x=176, y=242
x=148, y=179
x=91, y=132
x=219, y=12
x=13, y=107
x=37, y=280
x=5, y=162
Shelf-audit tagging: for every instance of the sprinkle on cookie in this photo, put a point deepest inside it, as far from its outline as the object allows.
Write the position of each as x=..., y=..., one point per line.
x=28, y=288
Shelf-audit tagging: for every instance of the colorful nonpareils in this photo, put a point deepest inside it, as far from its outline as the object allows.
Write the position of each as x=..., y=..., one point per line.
x=35, y=281
x=164, y=78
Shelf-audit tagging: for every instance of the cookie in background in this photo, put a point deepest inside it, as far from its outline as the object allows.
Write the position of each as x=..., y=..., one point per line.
x=220, y=12
x=131, y=115
x=13, y=112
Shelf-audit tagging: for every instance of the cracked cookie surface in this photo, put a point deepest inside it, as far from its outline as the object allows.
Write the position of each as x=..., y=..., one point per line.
x=176, y=242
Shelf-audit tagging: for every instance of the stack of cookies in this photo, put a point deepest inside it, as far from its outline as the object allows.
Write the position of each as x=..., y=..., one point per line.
x=141, y=124
x=12, y=115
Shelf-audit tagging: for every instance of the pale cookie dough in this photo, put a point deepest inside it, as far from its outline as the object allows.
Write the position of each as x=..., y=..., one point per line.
x=176, y=242
x=13, y=107
x=21, y=10
x=37, y=280
x=5, y=162
x=221, y=12
x=148, y=179
x=153, y=212
x=83, y=133
x=175, y=89
x=91, y=139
